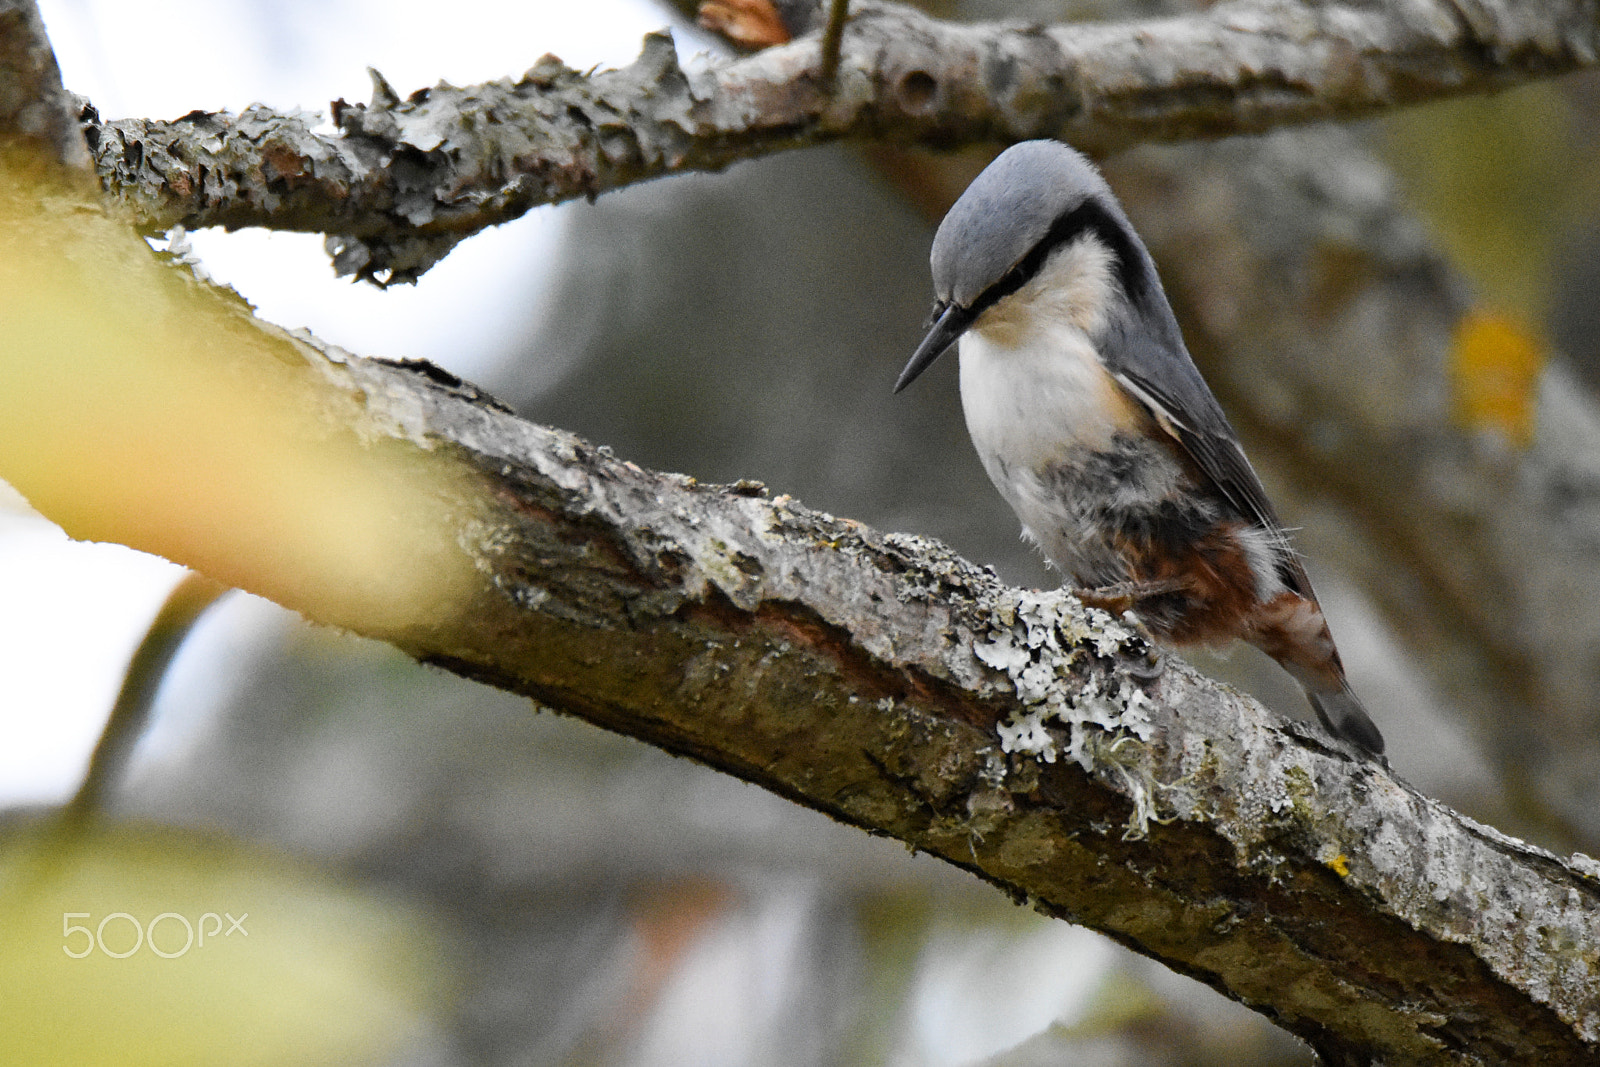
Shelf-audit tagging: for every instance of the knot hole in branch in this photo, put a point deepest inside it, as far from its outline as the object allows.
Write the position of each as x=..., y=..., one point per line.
x=917, y=90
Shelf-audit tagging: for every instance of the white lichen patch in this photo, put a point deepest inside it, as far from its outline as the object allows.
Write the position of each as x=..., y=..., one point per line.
x=1035, y=646
x=1585, y=865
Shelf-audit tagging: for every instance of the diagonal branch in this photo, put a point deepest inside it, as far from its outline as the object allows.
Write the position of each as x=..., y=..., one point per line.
x=402, y=181
x=881, y=680
x=873, y=677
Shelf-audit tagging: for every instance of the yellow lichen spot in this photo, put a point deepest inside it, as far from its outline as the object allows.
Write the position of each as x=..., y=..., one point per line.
x=1494, y=372
x=1339, y=865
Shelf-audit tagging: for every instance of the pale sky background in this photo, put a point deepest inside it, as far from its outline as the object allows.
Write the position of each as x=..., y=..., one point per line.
x=72, y=613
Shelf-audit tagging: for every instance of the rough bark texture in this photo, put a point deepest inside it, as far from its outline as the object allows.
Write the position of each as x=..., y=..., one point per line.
x=404, y=180
x=881, y=680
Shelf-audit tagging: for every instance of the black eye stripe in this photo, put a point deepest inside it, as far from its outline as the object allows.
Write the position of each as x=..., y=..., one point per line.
x=1088, y=217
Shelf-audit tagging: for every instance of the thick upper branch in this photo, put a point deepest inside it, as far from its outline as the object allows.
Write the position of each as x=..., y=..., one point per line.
x=403, y=180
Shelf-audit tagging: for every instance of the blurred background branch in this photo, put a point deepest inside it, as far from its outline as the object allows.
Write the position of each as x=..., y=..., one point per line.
x=130, y=715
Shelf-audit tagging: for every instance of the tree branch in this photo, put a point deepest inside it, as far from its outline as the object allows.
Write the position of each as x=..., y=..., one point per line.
x=131, y=712
x=879, y=679
x=403, y=181
x=876, y=678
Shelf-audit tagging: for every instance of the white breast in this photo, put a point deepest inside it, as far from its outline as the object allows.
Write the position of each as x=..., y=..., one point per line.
x=1033, y=389
x=1038, y=400
x=1032, y=401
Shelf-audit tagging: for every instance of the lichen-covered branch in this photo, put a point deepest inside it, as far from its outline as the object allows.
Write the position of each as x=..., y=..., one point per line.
x=873, y=677
x=882, y=680
x=402, y=181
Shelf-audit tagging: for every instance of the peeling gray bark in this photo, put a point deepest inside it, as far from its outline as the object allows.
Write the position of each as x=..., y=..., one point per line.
x=404, y=180
x=880, y=679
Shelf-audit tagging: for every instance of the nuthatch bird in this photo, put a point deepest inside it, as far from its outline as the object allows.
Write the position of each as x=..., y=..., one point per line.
x=1096, y=427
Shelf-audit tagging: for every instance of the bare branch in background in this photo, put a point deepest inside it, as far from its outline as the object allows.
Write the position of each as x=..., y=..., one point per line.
x=403, y=181
x=131, y=713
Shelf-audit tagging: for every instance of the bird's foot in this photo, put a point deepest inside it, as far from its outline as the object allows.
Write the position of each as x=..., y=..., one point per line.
x=1152, y=666
x=1126, y=596
x=1123, y=597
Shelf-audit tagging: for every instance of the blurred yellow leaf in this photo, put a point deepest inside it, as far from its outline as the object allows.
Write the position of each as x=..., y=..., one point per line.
x=1494, y=370
x=140, y=406
x=130, y=946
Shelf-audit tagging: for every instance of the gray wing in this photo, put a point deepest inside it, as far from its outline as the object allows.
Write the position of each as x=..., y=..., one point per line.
x=1169, y=386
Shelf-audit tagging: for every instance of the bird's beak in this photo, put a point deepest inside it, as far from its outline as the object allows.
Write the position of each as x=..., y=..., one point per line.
x=950, y=324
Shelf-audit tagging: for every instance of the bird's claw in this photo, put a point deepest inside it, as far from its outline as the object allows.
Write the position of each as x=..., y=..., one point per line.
x=1126, y=596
